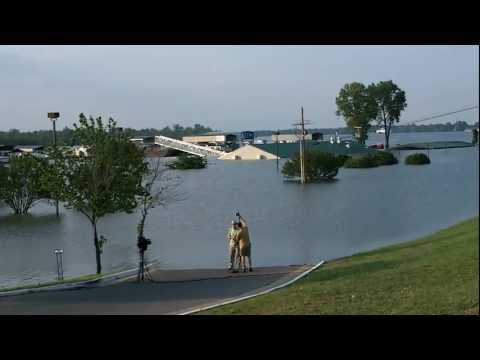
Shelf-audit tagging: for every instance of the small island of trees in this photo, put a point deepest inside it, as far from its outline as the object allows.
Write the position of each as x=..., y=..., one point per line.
x=417, y=159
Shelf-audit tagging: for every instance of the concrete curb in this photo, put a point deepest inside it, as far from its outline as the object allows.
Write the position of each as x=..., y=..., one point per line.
x=101, y=281
x=235, y=300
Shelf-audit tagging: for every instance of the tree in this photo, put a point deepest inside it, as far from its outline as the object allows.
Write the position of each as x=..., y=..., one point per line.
x=104, y=181
x=357, y=106
x=318, y=166
x=23, y=182
x=159, y=188
x=391, y=101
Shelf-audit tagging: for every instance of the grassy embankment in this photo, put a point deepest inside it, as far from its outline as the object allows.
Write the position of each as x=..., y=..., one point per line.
x=437, y=274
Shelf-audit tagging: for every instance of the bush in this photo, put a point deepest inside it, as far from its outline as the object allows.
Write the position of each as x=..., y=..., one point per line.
x=187, y=162
x=417, y=159
x=343, y=158
x=378, y=158
x=363, y=162
x=385, y=158
x=318, y=166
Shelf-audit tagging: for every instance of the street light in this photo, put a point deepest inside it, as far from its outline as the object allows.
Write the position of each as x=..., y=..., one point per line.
x=58, y=253
x=53, y=116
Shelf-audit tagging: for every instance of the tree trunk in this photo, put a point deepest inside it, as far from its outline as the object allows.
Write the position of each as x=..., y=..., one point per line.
x=97, y=248
x=141, y=224
x=387, y=131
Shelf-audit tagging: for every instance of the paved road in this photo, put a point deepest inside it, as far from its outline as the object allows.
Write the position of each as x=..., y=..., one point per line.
x=172, y=292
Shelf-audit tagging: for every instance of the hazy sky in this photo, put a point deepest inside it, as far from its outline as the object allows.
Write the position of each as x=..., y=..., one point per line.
x=228, y=88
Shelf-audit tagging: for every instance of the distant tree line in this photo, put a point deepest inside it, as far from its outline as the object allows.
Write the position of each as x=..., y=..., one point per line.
x=176, y=131
x=66, y=136
x=456, y=126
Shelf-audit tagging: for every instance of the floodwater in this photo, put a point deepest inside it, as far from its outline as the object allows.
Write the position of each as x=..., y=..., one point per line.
x=289, y=223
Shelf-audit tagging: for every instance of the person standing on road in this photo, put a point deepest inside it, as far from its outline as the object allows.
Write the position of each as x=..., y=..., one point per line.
x=244, y=244
x=233, y=245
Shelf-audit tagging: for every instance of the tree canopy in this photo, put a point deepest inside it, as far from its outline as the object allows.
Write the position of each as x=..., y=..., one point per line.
x=356, y=105
x=318, y=166
x=24, y=182
x=391, y=101
x=104, y=181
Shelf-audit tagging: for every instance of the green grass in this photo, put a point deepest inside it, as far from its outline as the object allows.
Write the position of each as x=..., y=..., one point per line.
x=65, y=281
x=434, y=275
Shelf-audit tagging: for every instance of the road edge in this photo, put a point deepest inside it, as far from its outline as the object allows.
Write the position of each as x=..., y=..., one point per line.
x=263, y=292
x=100, y=281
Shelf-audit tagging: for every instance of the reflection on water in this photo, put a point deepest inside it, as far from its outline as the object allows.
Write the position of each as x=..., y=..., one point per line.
x=290, y=224
x=29, y=221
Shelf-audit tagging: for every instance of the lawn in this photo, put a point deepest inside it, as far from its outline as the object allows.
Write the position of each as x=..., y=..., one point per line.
x=433, y=275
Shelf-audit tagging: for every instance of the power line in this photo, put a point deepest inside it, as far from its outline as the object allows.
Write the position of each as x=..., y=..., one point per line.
x=441, y=115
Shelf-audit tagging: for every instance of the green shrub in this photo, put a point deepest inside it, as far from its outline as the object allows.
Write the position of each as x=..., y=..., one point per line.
x=318, y=166
x=417, y=159
x=343, y=158
x=385, y=158
x=362, y=162
x=378, y=158
x=187, y=162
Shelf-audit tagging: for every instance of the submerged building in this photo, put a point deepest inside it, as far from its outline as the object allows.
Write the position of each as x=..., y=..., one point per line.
x=288, y=150
x=292, y=138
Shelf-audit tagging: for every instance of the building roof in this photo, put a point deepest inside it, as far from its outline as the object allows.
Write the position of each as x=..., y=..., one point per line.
x=288, y=150
x=248, y=152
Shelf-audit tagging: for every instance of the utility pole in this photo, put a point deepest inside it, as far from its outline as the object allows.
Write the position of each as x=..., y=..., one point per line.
x=302, y=147
x=277, y=133
x=302, y=151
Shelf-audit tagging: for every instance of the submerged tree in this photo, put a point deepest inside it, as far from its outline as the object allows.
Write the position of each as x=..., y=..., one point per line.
x=23, y=182
x=159, y=188
x=391, y=101
x=318, y=166
x=104, y=181
x=188, y=162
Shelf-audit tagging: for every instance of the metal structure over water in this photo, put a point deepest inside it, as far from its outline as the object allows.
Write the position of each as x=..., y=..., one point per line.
x=183, y=146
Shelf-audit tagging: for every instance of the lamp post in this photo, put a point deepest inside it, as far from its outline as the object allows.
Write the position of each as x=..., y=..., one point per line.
x=53, y=116
x=58, y=254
